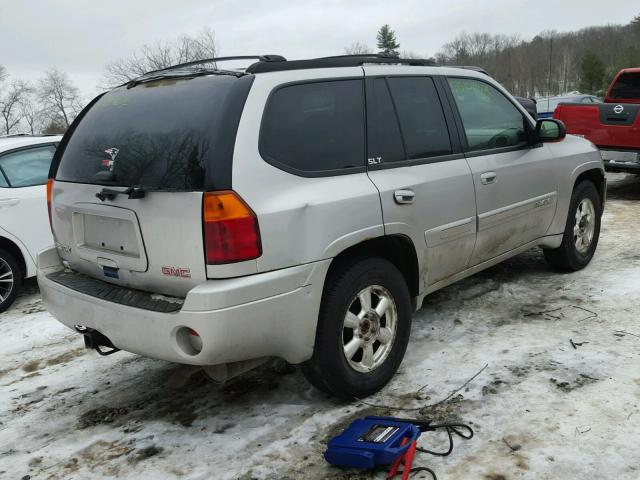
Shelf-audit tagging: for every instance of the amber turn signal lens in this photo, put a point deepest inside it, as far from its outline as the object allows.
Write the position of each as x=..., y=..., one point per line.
x=231, y=232
x=49, y=190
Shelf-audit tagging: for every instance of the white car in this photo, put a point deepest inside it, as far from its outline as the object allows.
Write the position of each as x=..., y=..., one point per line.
x=24, y=227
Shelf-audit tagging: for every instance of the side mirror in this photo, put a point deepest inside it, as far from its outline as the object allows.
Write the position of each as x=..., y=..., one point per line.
x=550, y=130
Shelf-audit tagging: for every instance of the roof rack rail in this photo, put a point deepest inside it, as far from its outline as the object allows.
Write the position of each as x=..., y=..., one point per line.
x=14, y=135
x=260, y=58
x=335, y=61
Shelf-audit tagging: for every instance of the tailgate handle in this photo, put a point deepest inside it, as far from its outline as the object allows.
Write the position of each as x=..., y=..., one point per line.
x=110, y=194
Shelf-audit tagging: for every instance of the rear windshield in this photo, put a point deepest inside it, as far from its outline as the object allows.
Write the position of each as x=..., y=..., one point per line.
x=169, y=134
x=627, y=86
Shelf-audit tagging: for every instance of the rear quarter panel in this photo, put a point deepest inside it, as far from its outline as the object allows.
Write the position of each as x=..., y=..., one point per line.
x=301, y=219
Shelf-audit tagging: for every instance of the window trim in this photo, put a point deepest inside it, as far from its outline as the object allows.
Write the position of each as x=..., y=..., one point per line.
x=452, y=128
x=21, y=149
x=57, y=157
x=462, y=133
x=317, y=173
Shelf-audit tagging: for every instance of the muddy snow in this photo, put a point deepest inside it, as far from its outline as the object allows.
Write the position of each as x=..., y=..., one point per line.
x=558, y=399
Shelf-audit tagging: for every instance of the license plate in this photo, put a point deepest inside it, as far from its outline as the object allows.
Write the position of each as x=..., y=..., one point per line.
x=619, y=157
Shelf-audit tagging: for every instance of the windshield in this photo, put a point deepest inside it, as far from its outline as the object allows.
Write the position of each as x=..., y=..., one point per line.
x=165, y=134
x=627, y=86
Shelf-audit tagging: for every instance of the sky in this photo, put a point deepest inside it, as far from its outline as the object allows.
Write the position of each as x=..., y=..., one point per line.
x=80, y=37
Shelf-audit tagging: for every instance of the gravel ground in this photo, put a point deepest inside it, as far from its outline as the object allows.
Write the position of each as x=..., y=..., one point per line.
x=543, y=408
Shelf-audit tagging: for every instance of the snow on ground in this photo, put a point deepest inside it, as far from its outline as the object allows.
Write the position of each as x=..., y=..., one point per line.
x=541, y=409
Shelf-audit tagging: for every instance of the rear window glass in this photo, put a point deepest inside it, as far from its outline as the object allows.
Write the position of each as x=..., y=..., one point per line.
x=28, y=167
x=627, y=86
x=314, y=127
x=160, y=135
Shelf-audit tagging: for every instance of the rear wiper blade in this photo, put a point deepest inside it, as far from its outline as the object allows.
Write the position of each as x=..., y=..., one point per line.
x=131, y=192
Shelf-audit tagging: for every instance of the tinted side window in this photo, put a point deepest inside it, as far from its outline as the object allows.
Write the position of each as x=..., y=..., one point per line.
x=422, y=121
x=490, y=119
x=3, y=180
x=29, y=167
x=312, y=127
x=383, y=132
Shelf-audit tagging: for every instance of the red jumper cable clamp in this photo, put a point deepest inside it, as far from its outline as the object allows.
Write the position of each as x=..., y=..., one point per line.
x=406, y=459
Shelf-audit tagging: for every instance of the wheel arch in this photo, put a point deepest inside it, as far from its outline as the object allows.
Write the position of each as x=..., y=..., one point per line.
x=14, y=249
x=597, y=177
x=398, y=249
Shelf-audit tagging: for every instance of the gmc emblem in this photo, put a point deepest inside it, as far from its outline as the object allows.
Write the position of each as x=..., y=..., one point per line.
x=176, y=272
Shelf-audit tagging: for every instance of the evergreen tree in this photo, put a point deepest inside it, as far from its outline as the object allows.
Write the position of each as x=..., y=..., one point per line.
x=592, y=74
x=387, y=41
x=635, y=26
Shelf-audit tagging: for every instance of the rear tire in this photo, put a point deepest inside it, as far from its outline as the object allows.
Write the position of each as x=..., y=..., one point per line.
x=581, y=232
x=11, y=277
x=363, y=329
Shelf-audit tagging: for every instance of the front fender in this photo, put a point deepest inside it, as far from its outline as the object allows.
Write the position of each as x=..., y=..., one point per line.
x=575, y=157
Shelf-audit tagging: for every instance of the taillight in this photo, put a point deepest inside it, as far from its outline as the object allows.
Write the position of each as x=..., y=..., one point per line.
x=49, y=190
x=231, y=232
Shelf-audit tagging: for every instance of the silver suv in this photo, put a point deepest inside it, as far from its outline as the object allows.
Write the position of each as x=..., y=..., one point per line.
x=301, y=209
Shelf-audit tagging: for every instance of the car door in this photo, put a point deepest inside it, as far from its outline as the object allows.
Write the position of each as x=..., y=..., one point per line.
x=23, y=203
x=425, y=184
x=516, y=191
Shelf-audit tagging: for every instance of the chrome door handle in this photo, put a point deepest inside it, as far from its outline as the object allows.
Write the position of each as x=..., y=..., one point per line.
x=404, y=196
x=488, y=177
x=9, y=202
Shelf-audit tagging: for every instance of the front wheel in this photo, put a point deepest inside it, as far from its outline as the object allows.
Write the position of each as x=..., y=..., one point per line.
x=581, y=231
x=363, y=329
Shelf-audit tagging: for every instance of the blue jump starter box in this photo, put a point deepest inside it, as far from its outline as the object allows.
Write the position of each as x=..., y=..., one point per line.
x=371, y=441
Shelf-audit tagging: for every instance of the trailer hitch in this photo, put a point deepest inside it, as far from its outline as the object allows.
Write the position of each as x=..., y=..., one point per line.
x=94, y=339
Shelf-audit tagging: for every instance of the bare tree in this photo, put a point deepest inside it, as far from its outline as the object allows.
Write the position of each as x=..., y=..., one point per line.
x=357, y=48
x=59, y=97
x=32, y=113
x=10, y=104
x=410, y=54
x=159, y=55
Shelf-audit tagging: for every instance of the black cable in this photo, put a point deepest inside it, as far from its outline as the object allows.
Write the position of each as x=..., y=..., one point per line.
x=421, y=469
x=450, y=428
x=427, y=426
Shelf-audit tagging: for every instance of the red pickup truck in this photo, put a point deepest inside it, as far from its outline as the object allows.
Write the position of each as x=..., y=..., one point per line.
x=613, y=126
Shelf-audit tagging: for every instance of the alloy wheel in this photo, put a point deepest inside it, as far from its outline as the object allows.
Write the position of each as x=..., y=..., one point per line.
x=6, y=280
x=369, y=328
x=585, y=225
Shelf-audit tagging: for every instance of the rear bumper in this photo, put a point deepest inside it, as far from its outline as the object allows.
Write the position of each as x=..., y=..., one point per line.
x=268, y=314
x=621, y=160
